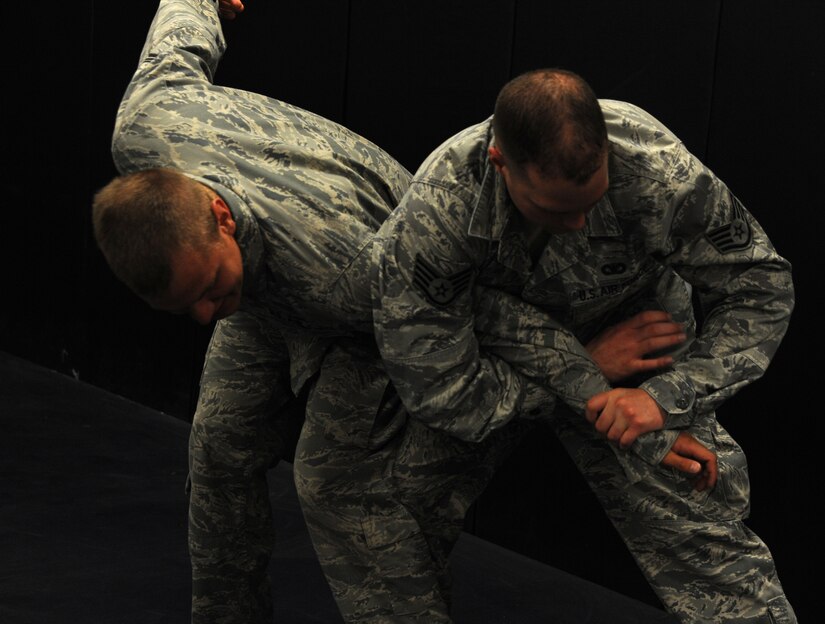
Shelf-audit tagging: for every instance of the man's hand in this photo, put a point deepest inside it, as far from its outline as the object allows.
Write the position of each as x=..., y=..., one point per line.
x=227, y=9
x=619, y=350
x=623, y=414
x=689, y=455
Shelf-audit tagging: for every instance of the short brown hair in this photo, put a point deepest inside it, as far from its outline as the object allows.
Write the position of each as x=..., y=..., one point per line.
x=142, y=218
x=552, y=119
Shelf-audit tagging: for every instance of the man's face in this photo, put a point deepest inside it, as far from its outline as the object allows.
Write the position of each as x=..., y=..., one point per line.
x=206, y=283
x=556, y=204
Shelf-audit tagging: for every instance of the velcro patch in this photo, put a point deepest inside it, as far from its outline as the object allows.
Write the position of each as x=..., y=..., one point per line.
x=440, y=289
x=733, y=236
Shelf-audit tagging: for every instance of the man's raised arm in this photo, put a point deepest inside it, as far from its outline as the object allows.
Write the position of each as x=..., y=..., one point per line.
x=184, y=45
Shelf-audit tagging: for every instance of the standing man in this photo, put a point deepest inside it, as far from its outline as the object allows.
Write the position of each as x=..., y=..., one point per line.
x=583, y=214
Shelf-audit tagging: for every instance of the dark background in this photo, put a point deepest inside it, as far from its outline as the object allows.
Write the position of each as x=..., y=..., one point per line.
x=741, y=83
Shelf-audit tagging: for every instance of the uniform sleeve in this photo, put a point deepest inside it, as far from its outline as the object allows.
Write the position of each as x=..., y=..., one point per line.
x=555, y=366
x=537, y=347
x=183, y=47
x=425, y=322
x=743, y=287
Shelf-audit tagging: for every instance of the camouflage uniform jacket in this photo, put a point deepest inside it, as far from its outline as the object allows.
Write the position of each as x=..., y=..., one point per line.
x=667, y=226
x=307, y=194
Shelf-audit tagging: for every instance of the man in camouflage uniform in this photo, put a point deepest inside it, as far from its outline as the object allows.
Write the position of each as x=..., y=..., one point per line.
x=582, y=214
x=291, y=202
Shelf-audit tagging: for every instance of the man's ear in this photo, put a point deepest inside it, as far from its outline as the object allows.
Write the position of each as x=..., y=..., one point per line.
x=496, y=157
x=223, y=215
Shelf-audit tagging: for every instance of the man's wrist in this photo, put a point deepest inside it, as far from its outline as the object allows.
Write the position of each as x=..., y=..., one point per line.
x=674, y=395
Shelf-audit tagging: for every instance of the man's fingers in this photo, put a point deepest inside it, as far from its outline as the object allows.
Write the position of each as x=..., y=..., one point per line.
x=649, y=345
x=604, y=423
x=686, y=448
x=594, y=406
x=641, y=366
x=590, y=414
x=227, y=9
x=709, y=475
x=647, y=317
x=701, y=484
x=628, y=437
x=682, y=464
x=662, y=328
x=712, y=470
x=616, y=431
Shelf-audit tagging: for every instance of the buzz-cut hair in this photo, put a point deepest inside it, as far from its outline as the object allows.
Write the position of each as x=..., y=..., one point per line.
x=141, y=219
x=551, y=118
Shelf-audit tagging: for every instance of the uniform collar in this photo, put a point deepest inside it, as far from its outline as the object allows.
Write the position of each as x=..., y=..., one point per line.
x=493, y=208
x=602, y=221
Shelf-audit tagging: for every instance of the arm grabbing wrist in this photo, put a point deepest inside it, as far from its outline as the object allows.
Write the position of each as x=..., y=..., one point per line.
x=623, y=414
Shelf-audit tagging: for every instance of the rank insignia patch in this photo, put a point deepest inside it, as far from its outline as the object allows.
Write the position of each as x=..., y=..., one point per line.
x=734, y=236
x=440, y=289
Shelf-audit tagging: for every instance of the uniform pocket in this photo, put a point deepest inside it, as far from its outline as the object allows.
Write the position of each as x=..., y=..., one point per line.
x=729, y=500
x=389, y=420
x=733, y=490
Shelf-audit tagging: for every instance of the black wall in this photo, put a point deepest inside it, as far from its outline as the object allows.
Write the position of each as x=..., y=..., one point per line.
x=742, y=83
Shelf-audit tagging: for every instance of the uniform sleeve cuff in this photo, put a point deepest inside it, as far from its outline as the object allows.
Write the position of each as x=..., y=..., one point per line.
x=675, y=395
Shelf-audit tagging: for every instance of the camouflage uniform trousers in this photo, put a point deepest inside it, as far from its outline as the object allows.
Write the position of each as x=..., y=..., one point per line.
x=385, y=497
x=372, y=504
x=693, y=547
x=246, y=420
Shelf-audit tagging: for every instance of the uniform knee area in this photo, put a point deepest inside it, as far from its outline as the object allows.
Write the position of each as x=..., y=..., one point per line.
x=307, y=487
x=222, y=450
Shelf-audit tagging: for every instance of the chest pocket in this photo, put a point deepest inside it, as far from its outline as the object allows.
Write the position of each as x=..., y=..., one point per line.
x=610, y=273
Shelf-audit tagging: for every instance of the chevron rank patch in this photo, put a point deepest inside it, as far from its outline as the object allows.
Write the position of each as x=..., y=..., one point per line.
x=734, y=236
x=440, y=289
